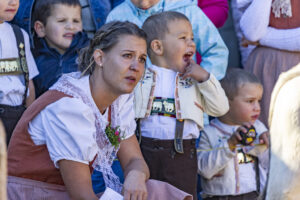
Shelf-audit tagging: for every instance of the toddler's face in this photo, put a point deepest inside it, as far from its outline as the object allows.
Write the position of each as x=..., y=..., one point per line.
x=63, y=23
x=178, y=45
x=8, y=9
x=144, y=4
x=245, y=107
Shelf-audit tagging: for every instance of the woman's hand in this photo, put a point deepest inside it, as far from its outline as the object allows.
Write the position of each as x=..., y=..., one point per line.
x=135, y=169
x=135, y=186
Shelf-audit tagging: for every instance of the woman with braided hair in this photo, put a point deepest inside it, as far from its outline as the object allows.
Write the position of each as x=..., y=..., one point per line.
x=84, y=121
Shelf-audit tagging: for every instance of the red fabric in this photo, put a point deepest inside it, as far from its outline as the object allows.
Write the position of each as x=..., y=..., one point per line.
x=287, y=22
x=27, y=160
x=216, y=11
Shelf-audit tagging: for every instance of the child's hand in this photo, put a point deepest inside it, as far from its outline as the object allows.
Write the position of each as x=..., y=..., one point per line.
x=196, y=72
x=236, y=137
x=264, y=138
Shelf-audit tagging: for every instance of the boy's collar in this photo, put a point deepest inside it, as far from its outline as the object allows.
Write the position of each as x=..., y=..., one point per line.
x=223, y=126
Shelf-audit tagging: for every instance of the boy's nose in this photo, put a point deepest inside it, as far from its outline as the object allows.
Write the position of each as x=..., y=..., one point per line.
x=69, y=25
x=257, y=106
x=191, y=43
x=13, y=2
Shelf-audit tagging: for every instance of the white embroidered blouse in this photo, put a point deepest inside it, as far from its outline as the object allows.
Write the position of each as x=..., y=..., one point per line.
x=73, y=128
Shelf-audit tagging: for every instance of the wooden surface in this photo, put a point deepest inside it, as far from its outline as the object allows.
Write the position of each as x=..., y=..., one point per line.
x=3, y=163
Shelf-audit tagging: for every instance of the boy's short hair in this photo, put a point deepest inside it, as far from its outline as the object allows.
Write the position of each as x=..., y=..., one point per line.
x=234, y=79
x=43, y=8
x=156, y=26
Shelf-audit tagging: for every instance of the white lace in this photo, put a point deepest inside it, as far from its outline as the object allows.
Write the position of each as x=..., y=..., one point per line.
x=106, y=152
x=282, y=7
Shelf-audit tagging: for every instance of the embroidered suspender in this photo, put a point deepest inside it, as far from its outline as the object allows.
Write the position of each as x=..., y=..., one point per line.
x=245, y=159
x=17, y=65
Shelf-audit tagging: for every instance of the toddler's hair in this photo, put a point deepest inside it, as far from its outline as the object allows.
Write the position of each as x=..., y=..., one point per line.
x=234, y=79
x=43, y=8
x=157, y=25
x=105, y=39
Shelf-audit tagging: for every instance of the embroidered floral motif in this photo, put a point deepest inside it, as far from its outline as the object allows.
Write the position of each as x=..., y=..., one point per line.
x=186, y=83
x=114, y=135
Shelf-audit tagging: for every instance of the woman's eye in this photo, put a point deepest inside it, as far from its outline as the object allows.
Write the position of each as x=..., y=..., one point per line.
x=143, y=60
x=182, y=38
x=61, y=20
x=127, y=55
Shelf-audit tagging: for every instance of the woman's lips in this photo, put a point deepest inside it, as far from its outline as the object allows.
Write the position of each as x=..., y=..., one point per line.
x=131, y=79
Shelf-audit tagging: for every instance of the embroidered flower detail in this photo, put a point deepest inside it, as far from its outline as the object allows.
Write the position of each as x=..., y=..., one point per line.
x=114, y=135
x=188, y=82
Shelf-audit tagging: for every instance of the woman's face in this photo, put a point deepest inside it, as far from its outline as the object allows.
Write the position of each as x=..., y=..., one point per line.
x=124, y=64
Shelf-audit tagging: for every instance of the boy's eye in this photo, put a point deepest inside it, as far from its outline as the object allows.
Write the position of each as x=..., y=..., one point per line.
x=250, y=101
x=61, y=20
x=182, y=38
x=76, y=20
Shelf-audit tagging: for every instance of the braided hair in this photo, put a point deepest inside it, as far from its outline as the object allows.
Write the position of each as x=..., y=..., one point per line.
x=105, y=39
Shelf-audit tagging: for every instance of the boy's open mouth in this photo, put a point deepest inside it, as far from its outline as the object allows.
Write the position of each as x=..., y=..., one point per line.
x=188, y=56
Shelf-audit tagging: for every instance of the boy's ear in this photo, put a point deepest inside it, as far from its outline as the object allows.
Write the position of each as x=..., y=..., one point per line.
x=157, y=47
x=39, y=28
x=98, y=57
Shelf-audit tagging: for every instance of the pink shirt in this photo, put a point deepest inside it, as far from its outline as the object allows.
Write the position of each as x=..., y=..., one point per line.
x=216, y=11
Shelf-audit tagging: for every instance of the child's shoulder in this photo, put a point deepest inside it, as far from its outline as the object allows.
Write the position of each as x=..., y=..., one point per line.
x=9, y=28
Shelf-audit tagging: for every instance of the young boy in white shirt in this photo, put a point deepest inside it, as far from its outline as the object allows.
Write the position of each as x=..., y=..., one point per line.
x=227, y=168
x=170, y=101
x=17, y=68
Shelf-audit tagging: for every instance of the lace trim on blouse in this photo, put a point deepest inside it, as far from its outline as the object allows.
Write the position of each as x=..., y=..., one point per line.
x=282, y=7
x=106, y=153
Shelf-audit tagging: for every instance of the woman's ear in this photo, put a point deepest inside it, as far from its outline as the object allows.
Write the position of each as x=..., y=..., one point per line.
x=39, y=28
x=98, y=57
x=157, y=47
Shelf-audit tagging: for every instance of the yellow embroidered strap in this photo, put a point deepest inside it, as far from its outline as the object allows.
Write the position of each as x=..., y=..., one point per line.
x=10, y=66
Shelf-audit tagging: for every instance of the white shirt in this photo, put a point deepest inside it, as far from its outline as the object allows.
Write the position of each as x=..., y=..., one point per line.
x=221, y=161
x=67, y=126
x=163, y=127
x=12, y=87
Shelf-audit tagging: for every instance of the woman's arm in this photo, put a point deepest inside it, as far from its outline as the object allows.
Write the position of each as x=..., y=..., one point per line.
x=255, y=20
x=77, y=179
x=136, y=171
